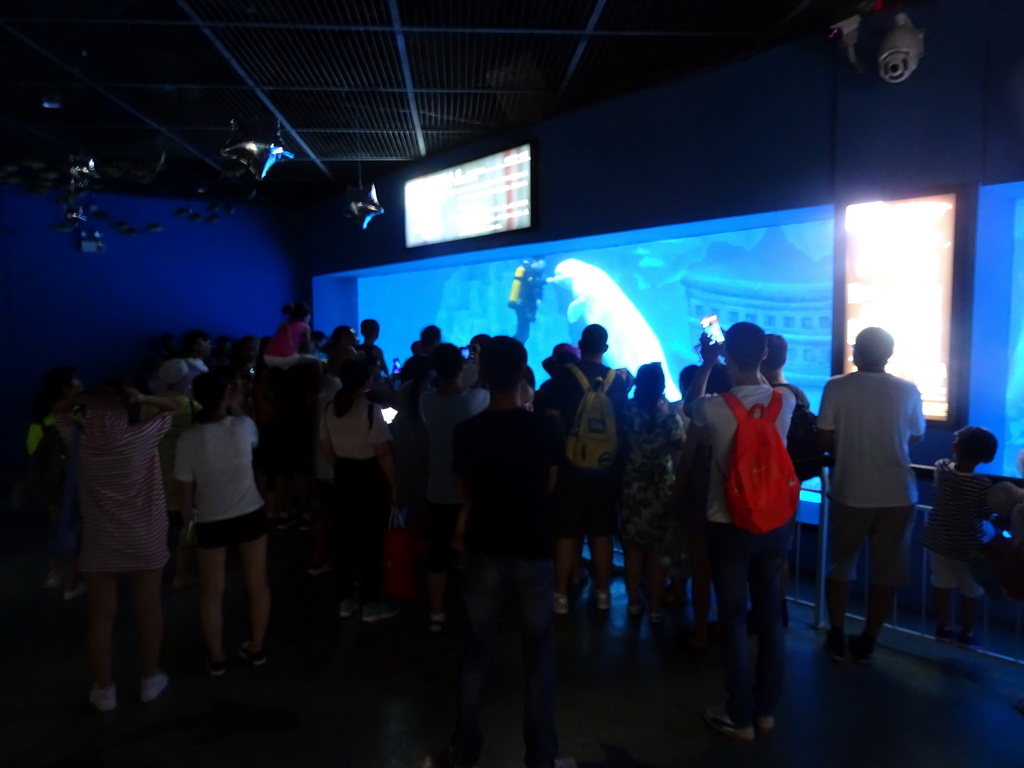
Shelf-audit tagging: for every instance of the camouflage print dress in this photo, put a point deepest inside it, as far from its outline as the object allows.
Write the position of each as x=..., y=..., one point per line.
x=649, y=473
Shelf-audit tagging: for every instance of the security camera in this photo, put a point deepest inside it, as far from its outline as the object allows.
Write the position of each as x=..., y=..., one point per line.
x=901, y=50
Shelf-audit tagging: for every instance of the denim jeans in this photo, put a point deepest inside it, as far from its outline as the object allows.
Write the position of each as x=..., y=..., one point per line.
x=743, y=562
x=489, y=583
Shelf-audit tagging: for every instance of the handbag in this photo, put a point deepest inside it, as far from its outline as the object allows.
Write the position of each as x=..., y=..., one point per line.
x=399, y=559
x=67, y=533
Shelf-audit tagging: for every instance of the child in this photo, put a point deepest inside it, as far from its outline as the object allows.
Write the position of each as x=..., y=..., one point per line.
x=292, y=341
x=954, y=529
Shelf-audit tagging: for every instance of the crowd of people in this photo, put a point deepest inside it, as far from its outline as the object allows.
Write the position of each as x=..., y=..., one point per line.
x=219, y=443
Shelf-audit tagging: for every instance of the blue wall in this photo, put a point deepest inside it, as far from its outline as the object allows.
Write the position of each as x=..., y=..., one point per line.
x=99, y=312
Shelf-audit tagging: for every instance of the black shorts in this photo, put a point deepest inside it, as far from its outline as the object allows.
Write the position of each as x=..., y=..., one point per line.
x=234, y=530
x=583, y=504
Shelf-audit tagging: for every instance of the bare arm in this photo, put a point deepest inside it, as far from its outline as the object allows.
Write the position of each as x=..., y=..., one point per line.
x=185, y=500
x=699, y=385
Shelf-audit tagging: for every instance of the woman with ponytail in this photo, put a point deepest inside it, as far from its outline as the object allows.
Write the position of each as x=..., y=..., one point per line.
x=651, y=434
x=213, y=468
x=354, y=439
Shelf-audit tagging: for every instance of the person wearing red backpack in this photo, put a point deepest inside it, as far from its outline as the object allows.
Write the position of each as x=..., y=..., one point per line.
x=749, y=525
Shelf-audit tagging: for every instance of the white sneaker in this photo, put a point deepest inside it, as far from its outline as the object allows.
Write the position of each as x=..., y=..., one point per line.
x=76, y=591
x=561, y=604
x=153, y=686
x=53, y=579
x=104, y=699
x=603, y=600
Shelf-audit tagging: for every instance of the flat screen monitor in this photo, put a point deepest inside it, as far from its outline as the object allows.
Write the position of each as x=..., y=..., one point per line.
x=899, y=276
x=481, y=197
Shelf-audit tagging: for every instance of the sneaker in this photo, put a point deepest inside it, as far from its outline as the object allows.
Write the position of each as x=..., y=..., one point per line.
x=967, y=641
x=764, y=723
x=719, y=720
x=635, y=609
x=561, y=604
x=284, y=523
x=944, y=634
x=861, y=648
x=216, y=668
x=53, y=580
x=104, y=699
x=379, y=611
x=603, y=601
x=152, y=687
x=316, y=570
x=348, y=606
x=835, y=644
x=564, y=762
x=436, y=623
x=256, y=659
x=655, y=617
x=76, y=591
x=306, y=523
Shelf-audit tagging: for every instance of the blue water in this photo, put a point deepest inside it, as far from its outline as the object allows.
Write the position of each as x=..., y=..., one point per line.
x=777, y=274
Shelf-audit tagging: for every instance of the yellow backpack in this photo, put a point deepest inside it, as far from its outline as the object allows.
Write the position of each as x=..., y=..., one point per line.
x=592, y=440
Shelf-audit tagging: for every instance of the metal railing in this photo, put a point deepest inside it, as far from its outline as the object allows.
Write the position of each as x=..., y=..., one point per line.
x=1000, y=632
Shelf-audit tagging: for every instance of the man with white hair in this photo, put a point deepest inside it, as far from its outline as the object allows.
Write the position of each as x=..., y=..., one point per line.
x=868, y=421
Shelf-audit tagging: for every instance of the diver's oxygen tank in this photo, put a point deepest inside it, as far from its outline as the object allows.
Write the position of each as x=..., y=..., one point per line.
x=516, y=294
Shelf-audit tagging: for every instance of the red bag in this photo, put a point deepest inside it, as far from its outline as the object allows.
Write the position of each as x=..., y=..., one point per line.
x=399, y=560
x=761, y=488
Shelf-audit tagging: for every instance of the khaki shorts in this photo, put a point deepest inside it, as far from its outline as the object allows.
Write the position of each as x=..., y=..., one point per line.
x=948, y=573
x=887, y=529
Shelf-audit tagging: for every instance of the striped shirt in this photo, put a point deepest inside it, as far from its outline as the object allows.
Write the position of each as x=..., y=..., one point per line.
x=120, y=490
x=954, y=526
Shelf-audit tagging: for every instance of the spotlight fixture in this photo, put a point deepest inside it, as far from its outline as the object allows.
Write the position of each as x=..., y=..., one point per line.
x=52, y=101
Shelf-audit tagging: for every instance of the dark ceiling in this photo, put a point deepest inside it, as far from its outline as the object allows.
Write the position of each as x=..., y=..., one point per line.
x=359, y=86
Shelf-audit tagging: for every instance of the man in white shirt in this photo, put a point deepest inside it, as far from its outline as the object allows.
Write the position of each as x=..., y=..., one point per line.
x=868, y=421
x=742, y=562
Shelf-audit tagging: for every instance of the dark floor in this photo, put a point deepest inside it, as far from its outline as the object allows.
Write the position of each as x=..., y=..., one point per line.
x=343, y=694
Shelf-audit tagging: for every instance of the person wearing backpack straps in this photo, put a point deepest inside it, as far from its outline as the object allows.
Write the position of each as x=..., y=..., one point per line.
x=743, y=560
x=588, y=479
x=802, y=438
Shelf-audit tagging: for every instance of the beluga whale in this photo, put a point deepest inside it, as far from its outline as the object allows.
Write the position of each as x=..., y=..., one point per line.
x=597, y=298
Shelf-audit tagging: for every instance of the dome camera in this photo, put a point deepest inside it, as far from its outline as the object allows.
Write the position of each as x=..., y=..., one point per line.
x=901, y=50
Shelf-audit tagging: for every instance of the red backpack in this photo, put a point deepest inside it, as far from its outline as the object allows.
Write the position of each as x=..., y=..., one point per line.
x=761, y=488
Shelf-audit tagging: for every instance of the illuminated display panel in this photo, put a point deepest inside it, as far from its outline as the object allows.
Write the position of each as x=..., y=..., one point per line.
x=899, y=276
x=481, y=197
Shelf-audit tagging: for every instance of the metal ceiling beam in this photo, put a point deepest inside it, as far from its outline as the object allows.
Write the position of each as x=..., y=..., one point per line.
x=580, y=48
x=410, y=91
x=384, y=29
x=106, y=93
x=236, y=65
x=296, y=88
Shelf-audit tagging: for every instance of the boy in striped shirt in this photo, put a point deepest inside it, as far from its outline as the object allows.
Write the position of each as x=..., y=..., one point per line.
x=955, y=529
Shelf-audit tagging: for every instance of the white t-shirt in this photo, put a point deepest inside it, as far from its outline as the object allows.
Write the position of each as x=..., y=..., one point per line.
x=874, y=415
x=441, y=413
x=331, y=386
x=354, y=435
x=712, y=412
x=217, y=457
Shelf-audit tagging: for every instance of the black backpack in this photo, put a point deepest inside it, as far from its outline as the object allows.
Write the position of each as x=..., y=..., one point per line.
x=802, y=441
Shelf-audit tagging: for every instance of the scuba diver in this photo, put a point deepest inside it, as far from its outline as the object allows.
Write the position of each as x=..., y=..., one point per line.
x=527, y=288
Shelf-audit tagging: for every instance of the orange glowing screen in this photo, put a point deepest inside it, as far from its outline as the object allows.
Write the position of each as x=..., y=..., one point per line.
x=899, y=276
